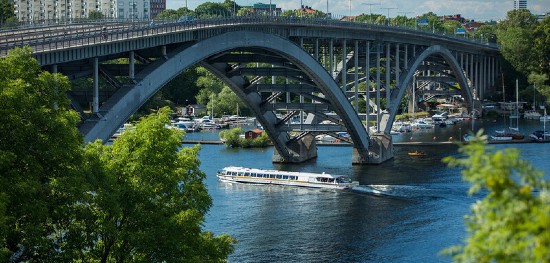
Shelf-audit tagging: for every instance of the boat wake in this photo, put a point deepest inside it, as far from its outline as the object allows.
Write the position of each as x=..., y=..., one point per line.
x=397, y=191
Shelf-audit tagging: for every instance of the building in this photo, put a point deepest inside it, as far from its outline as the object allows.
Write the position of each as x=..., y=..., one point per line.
x=520, y=4
x=157, y=7
x=60, y=10
x=133, y=9
x=253, y=134
x=265, y=9
x=543, y=16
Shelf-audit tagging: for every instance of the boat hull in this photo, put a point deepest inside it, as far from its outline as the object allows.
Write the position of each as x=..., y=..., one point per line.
x=273, y=181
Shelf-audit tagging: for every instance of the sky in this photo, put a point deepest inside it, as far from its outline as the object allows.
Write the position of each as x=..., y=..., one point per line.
x=479, y=10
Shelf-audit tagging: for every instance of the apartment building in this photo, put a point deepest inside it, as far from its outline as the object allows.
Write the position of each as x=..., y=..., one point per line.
x=40, y=10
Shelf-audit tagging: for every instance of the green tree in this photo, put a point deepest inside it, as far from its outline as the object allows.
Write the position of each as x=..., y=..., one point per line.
x=542, y=45
x=261, y=141
x=212, y=9
x=245, y=11
x=538, y=81
x=511, y=223
x=182, y=89
x=150, y=200
x=232, y=137
x=94, y=14
x=6, y=12
x=170, y=14
x=228, y=102
x=40, y=149
x=208, y=84
x=516, y=38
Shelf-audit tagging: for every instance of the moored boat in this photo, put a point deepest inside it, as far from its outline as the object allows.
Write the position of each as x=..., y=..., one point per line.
x=418, y=153
x=259, y=176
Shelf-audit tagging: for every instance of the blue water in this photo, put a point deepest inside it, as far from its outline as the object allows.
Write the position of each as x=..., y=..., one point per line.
x=406, y=210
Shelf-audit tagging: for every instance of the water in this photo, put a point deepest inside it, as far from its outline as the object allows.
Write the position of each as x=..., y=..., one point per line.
x=406, y=210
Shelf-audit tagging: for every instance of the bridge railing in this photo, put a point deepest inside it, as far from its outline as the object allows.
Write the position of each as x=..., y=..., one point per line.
x=50, y=37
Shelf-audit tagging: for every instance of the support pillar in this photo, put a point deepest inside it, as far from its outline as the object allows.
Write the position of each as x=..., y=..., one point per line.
x=397, y=66
x=316, y=52
x=356, y=74
x=367, y=90
x=132, y=71
x=331, y=58
x=95, y=103
x=344, y=66
x=378, y=87
x=388, y=75
x=300, y=151
x=380, y=150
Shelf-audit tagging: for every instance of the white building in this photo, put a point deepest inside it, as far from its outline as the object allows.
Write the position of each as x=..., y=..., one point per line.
x=520, y=4
x=39, y=10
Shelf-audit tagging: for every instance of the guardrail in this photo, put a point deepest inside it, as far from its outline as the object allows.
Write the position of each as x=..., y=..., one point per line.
x=60, y=36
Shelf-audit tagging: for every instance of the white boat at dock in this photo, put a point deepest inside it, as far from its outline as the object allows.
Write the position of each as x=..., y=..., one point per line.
x=303, y=179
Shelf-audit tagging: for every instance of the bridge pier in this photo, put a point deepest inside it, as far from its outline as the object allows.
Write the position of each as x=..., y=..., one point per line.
x=380, y=150
x=300, y=151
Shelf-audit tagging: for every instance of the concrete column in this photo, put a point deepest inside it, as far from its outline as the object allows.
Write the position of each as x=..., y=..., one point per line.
x=356, y=74
x=472, y=77
x=163, y=50
x=367, y=95
x=132, y=65
x=54, y=68
x=462, y=62
x=476, y=74
x=331, y=58
x=406, y=61
x=316, y=52
x=95, y=103
x=388, y=74
x=378, y=87
x=397, y=66
x=344, y=65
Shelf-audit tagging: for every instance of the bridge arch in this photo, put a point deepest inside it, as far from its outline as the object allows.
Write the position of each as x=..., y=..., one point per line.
x=405, y=79
x=117, y=109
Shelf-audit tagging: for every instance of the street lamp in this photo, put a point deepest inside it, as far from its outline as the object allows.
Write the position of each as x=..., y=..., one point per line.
x=388, y=8
x=370, y=10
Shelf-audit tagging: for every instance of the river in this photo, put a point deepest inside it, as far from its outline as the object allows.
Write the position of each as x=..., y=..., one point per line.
x=405, y=210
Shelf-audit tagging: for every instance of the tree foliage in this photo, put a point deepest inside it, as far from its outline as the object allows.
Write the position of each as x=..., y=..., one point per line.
x=213, y=9
x=232, y=137
x=149, y=192
x=511, y=223
x=170, y=14
x=94, y=14
x=6, y=12
x=40, y=149
x=141, y=199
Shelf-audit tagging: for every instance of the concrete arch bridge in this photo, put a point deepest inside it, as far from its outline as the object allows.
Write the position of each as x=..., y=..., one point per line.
x=313, y=70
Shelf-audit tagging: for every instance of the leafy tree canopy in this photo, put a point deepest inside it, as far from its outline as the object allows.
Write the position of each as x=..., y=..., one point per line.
x=94, y=14
x=510, y=224
x=151, y=200
x=40, y=149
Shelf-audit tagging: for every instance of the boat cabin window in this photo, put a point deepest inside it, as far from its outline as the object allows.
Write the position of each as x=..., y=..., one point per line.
x=279, y=176
x=271, y=176
x=325, y=180
x=285, y=177
x=247, y=174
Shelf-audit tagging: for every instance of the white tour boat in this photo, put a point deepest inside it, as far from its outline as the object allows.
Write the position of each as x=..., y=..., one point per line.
x=259, y=176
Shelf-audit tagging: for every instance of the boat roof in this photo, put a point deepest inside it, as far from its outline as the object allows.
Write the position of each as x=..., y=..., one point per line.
x=255, y=170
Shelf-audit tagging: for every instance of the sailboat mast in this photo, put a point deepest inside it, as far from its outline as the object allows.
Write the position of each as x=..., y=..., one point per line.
x=517, y=105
